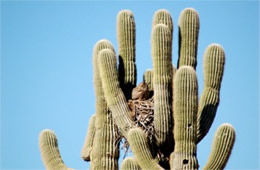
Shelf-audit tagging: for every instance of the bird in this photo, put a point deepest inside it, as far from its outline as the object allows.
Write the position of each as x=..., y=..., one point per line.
x=140, y=92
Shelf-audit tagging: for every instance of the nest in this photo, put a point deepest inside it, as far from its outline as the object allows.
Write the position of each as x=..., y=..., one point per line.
x=142, y=114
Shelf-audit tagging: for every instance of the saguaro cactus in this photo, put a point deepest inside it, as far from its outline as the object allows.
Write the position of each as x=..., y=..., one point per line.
x=175, y=117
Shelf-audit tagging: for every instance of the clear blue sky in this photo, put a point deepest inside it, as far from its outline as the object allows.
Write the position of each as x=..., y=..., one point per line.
x=47, y=74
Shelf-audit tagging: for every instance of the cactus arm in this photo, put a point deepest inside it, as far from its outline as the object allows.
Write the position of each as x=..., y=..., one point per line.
x=130, y=164
x=185, y=112
x=88, y=143
x=50, y=152
x=126, y=43
x=148, y=79
x=101, y=104
x=214, y=60
x=139, y=145
x=163, y=16
x=113, y=93
x=221, y=149
x=188, y=37
x=162, y=82
x=105, y=151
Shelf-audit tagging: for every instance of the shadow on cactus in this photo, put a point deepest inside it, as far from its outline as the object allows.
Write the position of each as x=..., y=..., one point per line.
x=162, y=119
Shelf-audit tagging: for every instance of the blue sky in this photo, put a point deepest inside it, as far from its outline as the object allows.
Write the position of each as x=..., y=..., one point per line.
x=47, y=75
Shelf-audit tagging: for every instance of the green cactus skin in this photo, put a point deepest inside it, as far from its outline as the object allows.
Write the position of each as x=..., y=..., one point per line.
x=148, y=79
x=188, y=37
x=214, y=61
x=105, y=152
x=50, y=152
x=88, y=143
x=185, y=114
x=126, y=42
x=221, y=149
x=139, y=145
x=162, y=82
x=130, y=164
x=163, y=16
x=113, y=93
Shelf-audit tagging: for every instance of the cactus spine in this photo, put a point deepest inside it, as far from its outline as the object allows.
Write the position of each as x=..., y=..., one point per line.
x=179, y=121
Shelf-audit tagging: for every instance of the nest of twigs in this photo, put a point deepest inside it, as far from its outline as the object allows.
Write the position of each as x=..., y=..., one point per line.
x=142, y=114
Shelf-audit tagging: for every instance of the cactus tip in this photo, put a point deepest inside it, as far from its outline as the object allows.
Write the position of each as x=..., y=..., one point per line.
x=216, y=45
